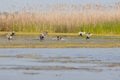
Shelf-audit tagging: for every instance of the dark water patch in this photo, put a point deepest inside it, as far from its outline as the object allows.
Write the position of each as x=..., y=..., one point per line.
x=38, y=68
x=30, y=73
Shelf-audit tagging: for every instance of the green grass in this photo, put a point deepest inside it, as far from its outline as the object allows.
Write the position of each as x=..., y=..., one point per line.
x=101, y=28
x=98, y=28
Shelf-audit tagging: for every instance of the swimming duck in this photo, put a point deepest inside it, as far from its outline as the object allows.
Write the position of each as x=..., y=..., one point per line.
x=42, y=36
x=59, y=37
x=81, y=33
x=88, y=36
x=10, y=35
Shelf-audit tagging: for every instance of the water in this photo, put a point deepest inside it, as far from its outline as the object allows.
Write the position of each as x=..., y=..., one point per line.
x=60, y=64
x=20, y=5
x=50, y=40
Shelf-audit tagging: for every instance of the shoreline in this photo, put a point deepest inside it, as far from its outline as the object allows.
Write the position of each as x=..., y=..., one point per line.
x=83, y=45
x=53, y=34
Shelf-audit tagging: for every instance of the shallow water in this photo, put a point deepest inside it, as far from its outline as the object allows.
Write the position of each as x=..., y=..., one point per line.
x=34, y=40
x=60, y=64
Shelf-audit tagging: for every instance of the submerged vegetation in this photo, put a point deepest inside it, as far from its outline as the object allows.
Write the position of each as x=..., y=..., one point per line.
x=94, y=19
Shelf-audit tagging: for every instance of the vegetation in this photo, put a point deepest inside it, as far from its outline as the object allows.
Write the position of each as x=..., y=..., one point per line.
x=100, y=21
x=65, y=45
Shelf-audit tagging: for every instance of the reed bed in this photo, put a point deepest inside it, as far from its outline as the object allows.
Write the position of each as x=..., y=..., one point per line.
x=94, y=21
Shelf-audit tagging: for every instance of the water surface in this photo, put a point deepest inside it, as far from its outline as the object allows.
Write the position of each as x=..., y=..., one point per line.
x=60, y=63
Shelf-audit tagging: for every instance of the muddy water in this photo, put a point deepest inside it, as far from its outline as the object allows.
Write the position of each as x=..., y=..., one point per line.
x=34, y=40
x=60, y=64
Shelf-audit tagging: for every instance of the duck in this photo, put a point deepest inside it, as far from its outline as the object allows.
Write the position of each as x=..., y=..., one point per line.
x=81, y=33
x=42, y=36
x=59, y=38
x=88, y=36
x=10, y=35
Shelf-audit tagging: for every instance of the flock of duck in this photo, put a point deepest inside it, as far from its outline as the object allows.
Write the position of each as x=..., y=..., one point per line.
x=44, y=34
